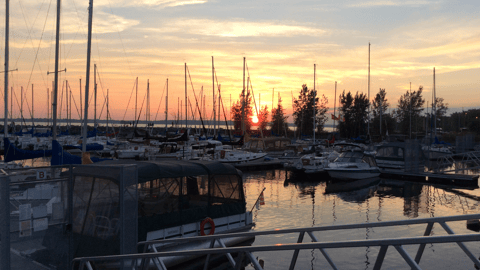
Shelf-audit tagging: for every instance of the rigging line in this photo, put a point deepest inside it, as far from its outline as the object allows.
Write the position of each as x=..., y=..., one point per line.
x=36, y=53
x=39, y=43
x=251, y=87
x=103, y=106
x=196, y=101
x=78, y=112
x=221, y=103
x=18, y=104
x=121, y=41
x=126, y=109
x=161, y=99
x=80, y=25
x=140, y=113
x=29, y=30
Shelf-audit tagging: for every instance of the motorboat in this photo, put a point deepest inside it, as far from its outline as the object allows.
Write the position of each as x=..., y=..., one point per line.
x=400, y=156
x=117, y=203
x=353, y=165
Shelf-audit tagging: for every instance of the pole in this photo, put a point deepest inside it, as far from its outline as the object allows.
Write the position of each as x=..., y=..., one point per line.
x=87, y=80
x=214, y=103
x=410, y=110
x=314, y=103
x=335, y=107
x=55, y=91
x=95, y=98
x=21, y=106
x=186, y=108
x=434, y=103
x=81, y=106
x=243, y=99
x=136, y=98
x=368, y=125
x=166, y=111
x=7, y=24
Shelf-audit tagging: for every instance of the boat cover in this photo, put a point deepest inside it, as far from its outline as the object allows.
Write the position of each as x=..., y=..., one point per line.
x=151, y=170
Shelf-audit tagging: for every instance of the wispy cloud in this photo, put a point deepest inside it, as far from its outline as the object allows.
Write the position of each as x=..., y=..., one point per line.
x=238, y=28
x=391, y=3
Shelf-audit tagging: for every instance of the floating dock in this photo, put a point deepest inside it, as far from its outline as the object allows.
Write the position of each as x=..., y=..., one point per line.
x=460, y=180
x=260, y=165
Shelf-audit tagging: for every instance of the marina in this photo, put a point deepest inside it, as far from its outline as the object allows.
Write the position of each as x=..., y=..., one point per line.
x=165, y=156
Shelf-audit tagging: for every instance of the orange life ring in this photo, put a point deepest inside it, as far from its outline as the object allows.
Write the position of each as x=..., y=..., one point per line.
x=202, y=226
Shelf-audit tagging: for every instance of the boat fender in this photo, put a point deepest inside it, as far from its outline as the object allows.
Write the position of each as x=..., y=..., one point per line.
x=202, y=226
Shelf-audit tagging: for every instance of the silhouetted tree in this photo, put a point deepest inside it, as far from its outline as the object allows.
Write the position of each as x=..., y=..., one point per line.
x=409, y=107
x=303, y=111
x=236, y=112
x=278, y=119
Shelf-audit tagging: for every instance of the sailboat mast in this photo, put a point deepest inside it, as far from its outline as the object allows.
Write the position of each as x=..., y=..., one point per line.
x=243, y=99
x=7, y=25
x=87, y=80
x=314, y=103
x=186, y=108
x=213, y=97
x=55, y=91
x=95, y=96
x=335, y=107
x=81, y=106
x=32, y=105
x=434, y=103
x=368, y=124
x=166, y=111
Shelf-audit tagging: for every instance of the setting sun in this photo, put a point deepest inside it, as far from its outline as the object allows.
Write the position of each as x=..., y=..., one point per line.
x=254, y=119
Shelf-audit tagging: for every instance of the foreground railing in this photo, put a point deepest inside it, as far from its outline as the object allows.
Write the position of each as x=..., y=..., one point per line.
x=156, y=259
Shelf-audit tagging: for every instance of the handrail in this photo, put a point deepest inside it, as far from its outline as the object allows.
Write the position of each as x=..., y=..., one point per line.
x=315, y=229
x=143, y=260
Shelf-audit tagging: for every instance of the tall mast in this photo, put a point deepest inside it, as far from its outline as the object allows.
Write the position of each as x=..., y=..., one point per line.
x=81, y=106
x=87, y=80
x=148, y=102
x=243, y=99
x=95, y=96
x=21, y=106
x=166, y=110
x=368, y=125
x=314, y=103
x=213, y=97
x=186, y=116
x=335, y=107
x=32, y=107
x=136, y=98
x=55, y=91
x=7, y=25
x=434, y=103
x=107, y=109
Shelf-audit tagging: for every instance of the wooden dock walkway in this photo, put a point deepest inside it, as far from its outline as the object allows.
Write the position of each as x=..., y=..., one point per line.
x=260, y=165
x=460, y=180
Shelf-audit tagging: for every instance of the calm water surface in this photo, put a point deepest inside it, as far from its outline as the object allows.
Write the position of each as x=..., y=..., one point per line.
x=294, y=204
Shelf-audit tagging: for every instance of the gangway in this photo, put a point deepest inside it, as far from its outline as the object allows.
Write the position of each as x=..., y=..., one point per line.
x=152, y=258
x=469, y=161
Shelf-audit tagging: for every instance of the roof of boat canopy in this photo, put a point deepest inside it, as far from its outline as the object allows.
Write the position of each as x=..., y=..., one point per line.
x=152, y=170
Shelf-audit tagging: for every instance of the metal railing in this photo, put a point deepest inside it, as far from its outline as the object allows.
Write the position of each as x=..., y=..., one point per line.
x=468, y=158
x=155, y=259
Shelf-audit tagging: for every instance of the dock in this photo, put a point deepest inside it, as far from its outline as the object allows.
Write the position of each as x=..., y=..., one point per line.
x=260, y=165
x=460, y=180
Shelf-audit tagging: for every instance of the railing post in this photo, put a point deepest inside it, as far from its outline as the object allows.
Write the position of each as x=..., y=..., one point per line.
x=380, y=257
x=407, y=258
x=295, y=253
x=421, y=248
x=461, y=245
x=5, y=223
x=324, y=252
x=212, y=245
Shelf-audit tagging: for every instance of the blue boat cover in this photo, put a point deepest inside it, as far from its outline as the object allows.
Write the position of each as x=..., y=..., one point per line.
x=60, y=157
x=13, y=153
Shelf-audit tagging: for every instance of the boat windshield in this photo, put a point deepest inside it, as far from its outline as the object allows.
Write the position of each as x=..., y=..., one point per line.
x=350, y=156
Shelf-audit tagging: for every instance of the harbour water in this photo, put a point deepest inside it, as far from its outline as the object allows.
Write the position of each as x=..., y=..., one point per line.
x=294, y=204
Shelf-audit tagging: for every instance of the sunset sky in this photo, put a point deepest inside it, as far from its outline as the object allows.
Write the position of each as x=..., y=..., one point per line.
x=281, y=40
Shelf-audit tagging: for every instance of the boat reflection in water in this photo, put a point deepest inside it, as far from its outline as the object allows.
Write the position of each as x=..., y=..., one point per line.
x=293, y=203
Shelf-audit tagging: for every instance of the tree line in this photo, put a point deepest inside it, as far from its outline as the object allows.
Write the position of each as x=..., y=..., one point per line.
x=356, y=116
